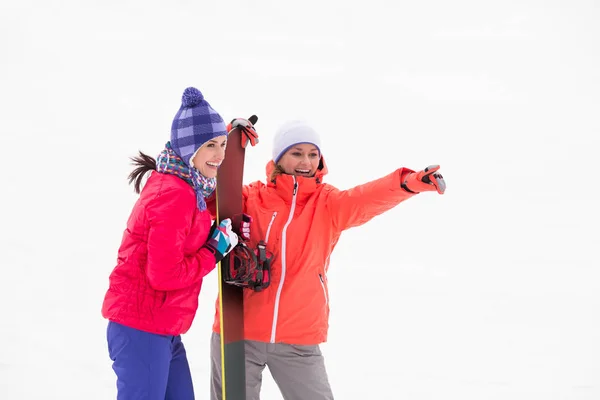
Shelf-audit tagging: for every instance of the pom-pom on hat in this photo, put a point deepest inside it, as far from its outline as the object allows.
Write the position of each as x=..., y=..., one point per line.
x=292, y=133
x=195, y=123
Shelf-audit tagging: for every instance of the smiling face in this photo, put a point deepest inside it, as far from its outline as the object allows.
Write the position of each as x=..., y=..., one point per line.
x=301, y=159
x=208, y=157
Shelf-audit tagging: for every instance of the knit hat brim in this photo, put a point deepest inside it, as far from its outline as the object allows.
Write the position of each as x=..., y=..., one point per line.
x=291, y=134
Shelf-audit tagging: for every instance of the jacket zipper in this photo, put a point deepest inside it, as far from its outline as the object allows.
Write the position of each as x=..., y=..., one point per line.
x=283, y=262
x=324, y=290
x=269, y=227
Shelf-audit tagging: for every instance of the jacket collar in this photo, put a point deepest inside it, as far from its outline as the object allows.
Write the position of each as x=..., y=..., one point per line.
x=283, y=184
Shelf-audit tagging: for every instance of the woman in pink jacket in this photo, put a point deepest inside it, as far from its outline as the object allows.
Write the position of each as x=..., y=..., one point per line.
x=166, y=250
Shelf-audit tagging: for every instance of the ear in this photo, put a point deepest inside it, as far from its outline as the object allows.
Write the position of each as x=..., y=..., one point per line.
x=253, y=119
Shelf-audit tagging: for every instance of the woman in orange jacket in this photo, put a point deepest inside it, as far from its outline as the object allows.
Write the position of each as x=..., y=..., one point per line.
x=300, y=219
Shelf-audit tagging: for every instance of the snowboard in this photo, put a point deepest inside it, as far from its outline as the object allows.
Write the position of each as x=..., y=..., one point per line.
x=231, y=301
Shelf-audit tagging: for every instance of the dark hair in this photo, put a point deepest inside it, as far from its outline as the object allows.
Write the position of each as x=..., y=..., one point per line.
x=143, y=164
x=276, y=172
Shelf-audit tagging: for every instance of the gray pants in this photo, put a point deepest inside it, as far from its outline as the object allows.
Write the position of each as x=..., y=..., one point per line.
x=298, y=371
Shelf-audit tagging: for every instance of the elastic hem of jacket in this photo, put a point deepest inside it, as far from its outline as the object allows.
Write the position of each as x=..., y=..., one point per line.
x=216, y=254
x=403, y=186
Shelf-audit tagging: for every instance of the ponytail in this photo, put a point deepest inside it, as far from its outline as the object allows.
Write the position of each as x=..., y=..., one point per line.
x=143, y=164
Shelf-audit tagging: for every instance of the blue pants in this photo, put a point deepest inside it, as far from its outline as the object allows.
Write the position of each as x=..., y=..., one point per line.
x=148, y=366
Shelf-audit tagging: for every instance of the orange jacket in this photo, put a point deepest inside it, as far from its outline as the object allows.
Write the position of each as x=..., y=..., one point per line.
x=301, y=227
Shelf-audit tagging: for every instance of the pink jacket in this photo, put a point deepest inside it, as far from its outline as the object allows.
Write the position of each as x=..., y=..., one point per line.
x=157, y=280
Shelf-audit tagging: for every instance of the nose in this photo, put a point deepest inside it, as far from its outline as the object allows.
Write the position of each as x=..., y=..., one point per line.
x=221, y=153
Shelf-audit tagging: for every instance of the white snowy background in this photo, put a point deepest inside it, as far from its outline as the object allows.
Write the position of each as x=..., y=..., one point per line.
x=491, y=291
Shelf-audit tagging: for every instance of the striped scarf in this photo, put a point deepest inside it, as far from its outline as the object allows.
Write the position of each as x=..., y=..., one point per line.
x=168, y=162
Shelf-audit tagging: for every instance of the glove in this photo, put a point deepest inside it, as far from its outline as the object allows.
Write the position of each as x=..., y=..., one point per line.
x=222, y=240
x=241, y=225
x=427, y=180
x=247, y=130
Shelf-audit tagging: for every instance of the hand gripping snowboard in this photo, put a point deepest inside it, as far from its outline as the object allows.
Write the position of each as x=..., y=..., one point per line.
x=231, y=300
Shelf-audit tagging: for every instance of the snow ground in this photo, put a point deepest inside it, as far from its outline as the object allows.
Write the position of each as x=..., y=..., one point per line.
x=489, y=292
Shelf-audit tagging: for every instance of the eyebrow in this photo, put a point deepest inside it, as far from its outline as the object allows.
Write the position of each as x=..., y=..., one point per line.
x=300, y=149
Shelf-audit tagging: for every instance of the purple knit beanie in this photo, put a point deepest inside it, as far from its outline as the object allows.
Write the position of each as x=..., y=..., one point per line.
x=195, y=123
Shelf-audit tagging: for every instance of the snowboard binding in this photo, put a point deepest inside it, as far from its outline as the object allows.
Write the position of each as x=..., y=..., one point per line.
x=249, y=268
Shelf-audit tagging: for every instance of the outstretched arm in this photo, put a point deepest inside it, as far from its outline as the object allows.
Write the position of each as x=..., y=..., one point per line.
x=354, y=207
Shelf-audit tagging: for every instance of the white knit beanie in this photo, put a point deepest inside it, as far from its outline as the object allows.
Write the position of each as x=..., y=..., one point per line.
x=292, y=133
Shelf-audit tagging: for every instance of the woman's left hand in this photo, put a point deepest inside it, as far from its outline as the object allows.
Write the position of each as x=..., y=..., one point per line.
x=246, y=126
x=241, y=225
